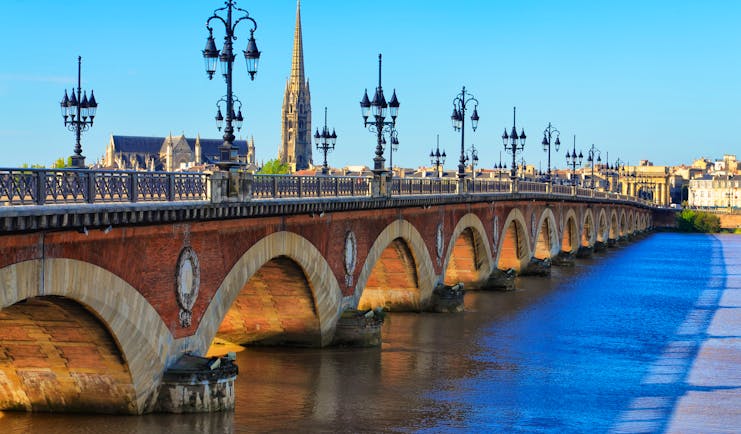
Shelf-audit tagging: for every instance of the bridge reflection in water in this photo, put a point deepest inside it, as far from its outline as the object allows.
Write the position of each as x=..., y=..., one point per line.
x=168, y=264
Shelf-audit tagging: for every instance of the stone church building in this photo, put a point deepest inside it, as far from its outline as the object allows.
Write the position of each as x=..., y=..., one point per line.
x=171, y=153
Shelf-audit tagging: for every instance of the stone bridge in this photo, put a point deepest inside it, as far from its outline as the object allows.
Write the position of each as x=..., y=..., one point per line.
x=98, y=299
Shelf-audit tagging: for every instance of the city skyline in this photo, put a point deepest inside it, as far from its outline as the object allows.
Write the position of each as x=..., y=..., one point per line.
x=639, y=81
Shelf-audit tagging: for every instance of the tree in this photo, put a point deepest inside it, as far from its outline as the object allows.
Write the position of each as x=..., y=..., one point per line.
x=697, y=221
x=61, y=163
x=274, y=167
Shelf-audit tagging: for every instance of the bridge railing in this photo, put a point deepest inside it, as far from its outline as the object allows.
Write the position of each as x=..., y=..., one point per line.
x=491, y=186
x=561, y=189
x=64, y=186
x=532, y=187
x=409, y=186
x=290, y=186
x=69, y=186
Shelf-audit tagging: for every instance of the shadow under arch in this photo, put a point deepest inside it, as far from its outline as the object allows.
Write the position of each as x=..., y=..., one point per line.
x=469, y=258
x=546, y=240
x=143, y=339
x=405, y=239
x=588, y=232
x=623, y=224
x=631, y=223
x=603, y=230
x=514, y=244
x=570, y=233
x=327, y=296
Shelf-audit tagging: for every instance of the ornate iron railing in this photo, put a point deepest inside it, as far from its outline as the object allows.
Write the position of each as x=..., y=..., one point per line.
x=68, y=186
x=64, y=186
x=560, y=189
x=409, y=186
x=288, y=186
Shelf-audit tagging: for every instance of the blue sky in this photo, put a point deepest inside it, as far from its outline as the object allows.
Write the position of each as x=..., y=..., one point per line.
x=657, y=80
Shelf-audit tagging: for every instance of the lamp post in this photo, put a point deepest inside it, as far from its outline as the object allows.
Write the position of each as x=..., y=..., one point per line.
x=514, y=142
x=378, y=108
x=547, y=141
x=460, y=103
x=394, y=139
x=474, y=158
x=227, y=151
x=591, y=159
x=573, y=160
x=499, y=167
x=78, y=113
x=437, y=159
x=325, y=142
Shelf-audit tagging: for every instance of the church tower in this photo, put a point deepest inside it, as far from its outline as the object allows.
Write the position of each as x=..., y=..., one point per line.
x=296, y=115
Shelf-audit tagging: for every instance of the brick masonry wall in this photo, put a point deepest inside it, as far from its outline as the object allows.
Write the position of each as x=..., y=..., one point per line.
x=146, y=256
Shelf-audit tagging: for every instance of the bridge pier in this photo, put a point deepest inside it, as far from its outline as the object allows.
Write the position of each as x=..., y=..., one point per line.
x=447, y=299
x=198, y=385
x=501, y=280
x=564, y=259
x=600, y=246
x=584, y=252
x=359, y=328
x=537, y=267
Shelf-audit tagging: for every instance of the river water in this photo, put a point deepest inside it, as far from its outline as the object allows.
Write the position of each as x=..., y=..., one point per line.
x=576, y=352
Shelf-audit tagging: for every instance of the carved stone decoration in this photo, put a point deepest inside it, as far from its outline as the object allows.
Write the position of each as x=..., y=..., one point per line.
x=351, y=251
x=532, y=225
x=439, y=241
x=188, y=275
x=495, y=233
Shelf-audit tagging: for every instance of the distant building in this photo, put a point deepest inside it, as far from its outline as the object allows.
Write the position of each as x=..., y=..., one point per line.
x=647, y=182
x=295, y=149
x=170, y=153
x=715, y=192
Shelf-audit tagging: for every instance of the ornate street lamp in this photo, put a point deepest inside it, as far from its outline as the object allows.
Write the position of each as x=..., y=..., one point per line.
x=227, y=151
x=547, y=141
x=591, y=159
x=460, y=103
x=78, y=113
x=380, y=110
x=325, y=142
x=514, y=142
x=474, y=153
x=500, y=166
x=437, y=159
x=573, y=160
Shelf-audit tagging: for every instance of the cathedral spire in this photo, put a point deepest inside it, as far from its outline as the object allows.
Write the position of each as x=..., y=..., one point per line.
x=295, y=149
x=297, y=67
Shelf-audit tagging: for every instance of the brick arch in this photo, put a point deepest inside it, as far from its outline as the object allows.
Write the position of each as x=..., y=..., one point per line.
x=614, y=226
x=588, y=230
x=603, y=229
x=274, y=307
x=631, y=222
x=546, y=239
x=623, y=223
x=570, y=233
x=469, y=258
x=326, y=293
x=401, y=230
x=514, y=244
x=142, y=338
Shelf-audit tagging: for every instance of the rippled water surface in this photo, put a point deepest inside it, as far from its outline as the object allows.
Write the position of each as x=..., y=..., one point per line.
x=569, y=353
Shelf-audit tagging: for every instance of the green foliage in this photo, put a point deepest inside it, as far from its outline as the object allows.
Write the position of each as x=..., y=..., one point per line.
x=61, y=163
x=698, y=221
x=274, y=167
x=32, y=166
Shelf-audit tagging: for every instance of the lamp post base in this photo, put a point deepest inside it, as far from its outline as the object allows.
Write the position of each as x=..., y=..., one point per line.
x=78, y=162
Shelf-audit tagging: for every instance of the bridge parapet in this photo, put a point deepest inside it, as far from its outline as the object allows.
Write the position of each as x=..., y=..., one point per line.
x=33, y=199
